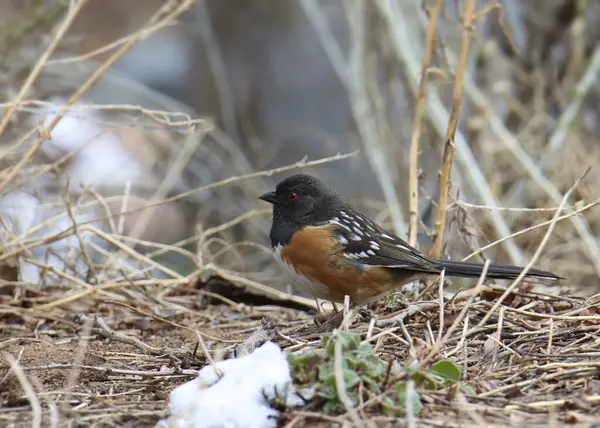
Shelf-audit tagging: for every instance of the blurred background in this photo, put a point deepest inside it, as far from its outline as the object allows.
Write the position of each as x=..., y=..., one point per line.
x=232, y=87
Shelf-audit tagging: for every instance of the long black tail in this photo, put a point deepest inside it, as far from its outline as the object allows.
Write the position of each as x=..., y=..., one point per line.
x=473, y=270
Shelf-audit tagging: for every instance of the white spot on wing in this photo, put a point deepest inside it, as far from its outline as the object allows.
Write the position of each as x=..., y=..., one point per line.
x=375, y=245
x=363, y=254
x=371, y=252
x=355, y=237
x=358, y=231
x=340, y=224
x=385, y=235
x=343, y=240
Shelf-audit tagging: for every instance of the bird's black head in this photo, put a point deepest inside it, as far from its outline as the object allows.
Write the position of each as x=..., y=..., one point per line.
x=300, y=200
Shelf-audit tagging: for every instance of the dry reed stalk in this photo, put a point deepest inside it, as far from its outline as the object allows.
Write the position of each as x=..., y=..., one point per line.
x=449, y=147
x=413, y=182
x=166, y=13
x=537, y=253
x=39, y=66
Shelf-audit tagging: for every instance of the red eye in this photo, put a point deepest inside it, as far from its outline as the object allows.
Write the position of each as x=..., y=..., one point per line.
x=292, y=196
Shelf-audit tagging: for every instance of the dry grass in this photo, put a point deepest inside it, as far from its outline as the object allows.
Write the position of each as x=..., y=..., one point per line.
x=104, y=345
x=533, y=362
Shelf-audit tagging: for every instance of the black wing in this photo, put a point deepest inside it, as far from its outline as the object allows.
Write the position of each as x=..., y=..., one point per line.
x=367, y=243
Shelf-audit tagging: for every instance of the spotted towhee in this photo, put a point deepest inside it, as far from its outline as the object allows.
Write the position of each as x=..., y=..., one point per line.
x=330, y=249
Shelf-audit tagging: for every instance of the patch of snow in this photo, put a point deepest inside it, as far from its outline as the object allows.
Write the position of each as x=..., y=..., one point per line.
x=239, y=399
x=20, y=212
x=101, y=160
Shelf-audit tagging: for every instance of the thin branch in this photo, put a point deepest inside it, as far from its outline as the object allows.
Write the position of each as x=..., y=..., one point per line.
x=536, y=254
x=36, y=407
x=587, y=82
x=531, y=228
x=450, y=147
x=528, y=165
x=227, y=181
x=39, y=66
x=403, y=42
x=413, y=182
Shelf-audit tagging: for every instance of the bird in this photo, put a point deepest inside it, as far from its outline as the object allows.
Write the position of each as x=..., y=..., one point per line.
x=331, y=250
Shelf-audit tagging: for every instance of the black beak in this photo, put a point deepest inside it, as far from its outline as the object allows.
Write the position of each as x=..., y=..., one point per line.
x=268, y=197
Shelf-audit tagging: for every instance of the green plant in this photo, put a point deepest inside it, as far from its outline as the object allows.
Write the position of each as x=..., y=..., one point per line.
x=361, y=366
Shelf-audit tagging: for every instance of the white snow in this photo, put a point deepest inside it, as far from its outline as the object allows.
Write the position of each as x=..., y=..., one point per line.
x=101, y=161
x=237, y=400
x=19, y=212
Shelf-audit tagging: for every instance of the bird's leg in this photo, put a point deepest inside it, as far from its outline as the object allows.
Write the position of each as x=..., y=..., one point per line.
x=334, y=320
x=322, y=317
x=319, y=308
x=327, y=322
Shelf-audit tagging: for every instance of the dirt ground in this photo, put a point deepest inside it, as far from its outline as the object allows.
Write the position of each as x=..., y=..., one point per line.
x=533, y=362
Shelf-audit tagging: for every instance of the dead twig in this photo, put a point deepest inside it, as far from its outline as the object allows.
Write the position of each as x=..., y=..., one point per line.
x=413, y=183
x=449, y=147
x=36, y=407
x=537, y=253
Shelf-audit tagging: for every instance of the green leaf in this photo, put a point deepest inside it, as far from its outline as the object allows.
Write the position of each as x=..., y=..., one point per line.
x=421, y=378
x=469, y=390
x=365, y=350
x=333, y=406
x=391, y=408
x=329, y=345
x=351, y=378
x=375, y=370
x=448, y=370
x=326, y=375
x=353, y=360
x=417, y=404
x=431, y=380
x=301, y=361
x=370, y=382
x=350, y=341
